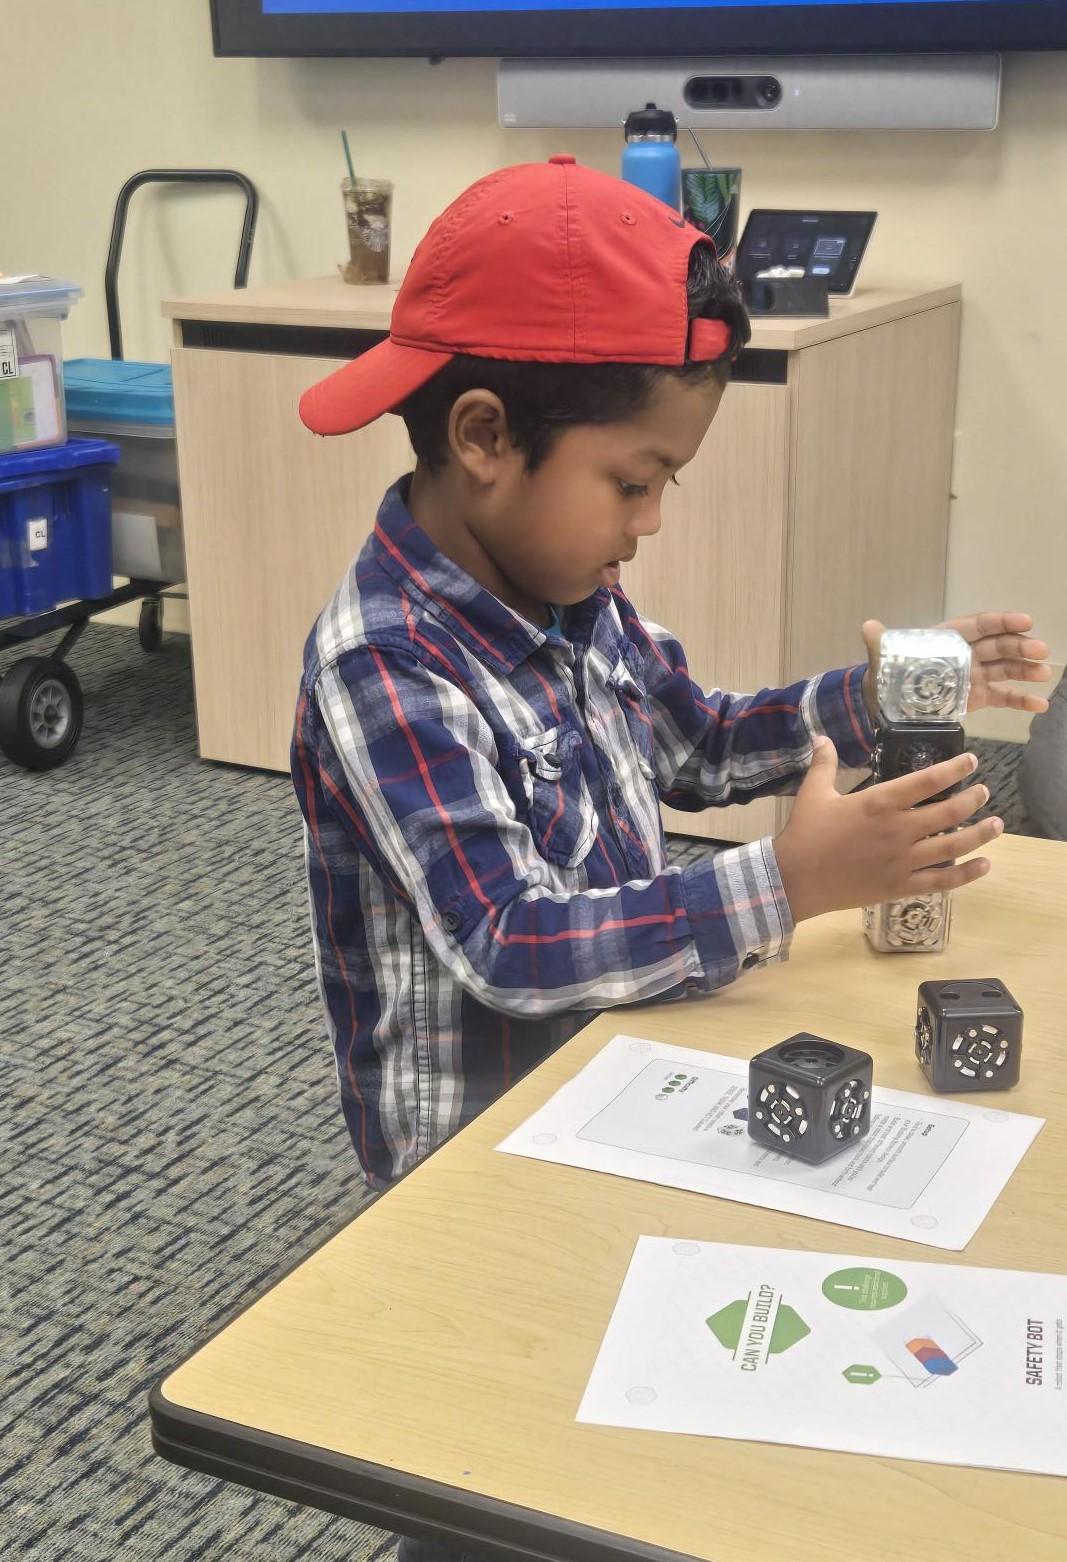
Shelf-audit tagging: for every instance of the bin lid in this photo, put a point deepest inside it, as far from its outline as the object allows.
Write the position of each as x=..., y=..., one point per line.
x=54, y=460
x=106, y=390
x=36, y=295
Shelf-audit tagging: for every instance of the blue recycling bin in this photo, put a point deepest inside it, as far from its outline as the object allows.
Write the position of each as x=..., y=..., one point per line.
x=55, y=526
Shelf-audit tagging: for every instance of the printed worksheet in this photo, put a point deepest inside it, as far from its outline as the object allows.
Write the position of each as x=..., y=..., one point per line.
x=929, y=1169
x=937, y=1362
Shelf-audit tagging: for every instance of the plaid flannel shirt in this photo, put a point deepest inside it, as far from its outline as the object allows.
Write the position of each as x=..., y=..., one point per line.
x=484, y=850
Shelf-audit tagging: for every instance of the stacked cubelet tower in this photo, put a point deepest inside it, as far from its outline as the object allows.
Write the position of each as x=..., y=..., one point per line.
x=923, y=681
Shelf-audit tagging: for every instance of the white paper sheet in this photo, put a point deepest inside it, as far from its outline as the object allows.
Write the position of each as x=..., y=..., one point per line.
x=929, y=1170
x=938, y=1362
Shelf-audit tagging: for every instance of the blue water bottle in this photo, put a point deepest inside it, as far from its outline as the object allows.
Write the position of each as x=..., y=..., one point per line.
x=650, y=159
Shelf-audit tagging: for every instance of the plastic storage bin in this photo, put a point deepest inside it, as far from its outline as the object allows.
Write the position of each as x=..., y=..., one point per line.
x=32, y=311
x=132, y=405
x=55, y=526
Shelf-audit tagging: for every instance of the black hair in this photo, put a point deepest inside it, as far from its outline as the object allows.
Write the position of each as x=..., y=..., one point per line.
x=544, y=399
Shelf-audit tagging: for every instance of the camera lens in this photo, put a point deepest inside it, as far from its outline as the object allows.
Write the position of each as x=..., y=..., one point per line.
x=768, y=91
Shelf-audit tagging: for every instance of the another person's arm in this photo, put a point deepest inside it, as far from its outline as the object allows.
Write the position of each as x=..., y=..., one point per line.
x=1043, y=768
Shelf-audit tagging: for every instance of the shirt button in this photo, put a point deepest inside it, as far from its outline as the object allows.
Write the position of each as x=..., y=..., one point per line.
x=450, y=921
x=749, y=961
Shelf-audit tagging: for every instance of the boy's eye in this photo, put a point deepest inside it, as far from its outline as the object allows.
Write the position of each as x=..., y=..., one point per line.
x=633, y=490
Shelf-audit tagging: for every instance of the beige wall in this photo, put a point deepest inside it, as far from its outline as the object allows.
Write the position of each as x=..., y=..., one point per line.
x=117, y=85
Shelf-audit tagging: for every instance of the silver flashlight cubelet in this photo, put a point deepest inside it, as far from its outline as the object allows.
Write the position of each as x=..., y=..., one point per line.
x=924, y=675
x=919, y=925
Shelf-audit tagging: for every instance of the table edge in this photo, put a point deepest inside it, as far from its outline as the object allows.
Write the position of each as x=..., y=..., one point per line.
x=375, y=1494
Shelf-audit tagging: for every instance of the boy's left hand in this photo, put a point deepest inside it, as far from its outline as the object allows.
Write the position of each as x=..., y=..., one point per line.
x=1001, y=649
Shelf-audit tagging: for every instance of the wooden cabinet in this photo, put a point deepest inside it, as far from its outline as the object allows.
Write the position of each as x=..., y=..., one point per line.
x=273, y=517
x=820, y=498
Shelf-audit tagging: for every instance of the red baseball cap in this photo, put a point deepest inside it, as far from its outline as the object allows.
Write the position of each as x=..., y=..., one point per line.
x=545, y=263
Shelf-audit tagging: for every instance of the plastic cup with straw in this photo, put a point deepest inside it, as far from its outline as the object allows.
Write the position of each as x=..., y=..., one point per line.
x=368, y=210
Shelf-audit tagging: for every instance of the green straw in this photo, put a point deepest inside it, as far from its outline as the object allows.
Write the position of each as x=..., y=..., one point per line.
x=348, y=156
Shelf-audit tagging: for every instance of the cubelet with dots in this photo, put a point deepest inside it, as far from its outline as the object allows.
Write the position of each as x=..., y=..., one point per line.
x=907, y=746
x=809, y=1097
x=969, y=1035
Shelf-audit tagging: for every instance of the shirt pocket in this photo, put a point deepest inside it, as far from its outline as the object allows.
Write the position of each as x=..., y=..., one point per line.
x=561, y=814
x=632, y=699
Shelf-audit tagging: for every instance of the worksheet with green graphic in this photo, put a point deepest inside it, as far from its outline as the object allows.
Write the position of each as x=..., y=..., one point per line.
x=929, y=1169
x=938, y=1362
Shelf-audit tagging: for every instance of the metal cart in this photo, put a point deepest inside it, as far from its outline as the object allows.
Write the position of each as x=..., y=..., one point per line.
x=41, y=705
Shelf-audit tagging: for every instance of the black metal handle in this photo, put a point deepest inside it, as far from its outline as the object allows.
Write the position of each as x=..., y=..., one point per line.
x=172, y=176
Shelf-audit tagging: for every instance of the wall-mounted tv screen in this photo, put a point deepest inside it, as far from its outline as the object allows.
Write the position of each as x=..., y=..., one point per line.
x=633, y=27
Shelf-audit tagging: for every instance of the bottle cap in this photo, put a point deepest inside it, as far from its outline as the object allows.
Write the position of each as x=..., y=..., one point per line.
x=651, y=121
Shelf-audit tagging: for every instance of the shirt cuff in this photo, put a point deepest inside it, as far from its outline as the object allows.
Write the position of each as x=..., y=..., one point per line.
x=833, y=705
x=738, y=912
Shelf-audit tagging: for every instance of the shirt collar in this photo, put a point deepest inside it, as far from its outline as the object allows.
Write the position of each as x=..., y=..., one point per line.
x=489, y=628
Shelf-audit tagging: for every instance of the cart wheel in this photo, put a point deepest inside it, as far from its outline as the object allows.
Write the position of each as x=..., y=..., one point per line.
x=150, y=624
x=40, y=713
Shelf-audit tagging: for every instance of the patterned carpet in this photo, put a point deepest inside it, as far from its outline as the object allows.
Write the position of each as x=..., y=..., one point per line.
x=173, y=1141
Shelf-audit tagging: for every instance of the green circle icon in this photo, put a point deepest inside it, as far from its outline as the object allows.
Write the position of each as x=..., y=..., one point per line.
x=864, y=1290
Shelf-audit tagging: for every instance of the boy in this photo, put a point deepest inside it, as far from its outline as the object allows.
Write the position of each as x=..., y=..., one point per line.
x=486, y=727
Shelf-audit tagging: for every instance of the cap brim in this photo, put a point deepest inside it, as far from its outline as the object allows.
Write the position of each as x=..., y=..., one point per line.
x=376, y=382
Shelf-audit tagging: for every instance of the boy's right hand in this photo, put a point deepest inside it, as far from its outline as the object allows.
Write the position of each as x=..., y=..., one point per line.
x=867, y=847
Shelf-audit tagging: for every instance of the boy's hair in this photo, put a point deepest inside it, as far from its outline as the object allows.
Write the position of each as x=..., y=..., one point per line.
x=542, y=400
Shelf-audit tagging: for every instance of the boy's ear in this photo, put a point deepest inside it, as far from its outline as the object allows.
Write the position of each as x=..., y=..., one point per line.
x=478, y=434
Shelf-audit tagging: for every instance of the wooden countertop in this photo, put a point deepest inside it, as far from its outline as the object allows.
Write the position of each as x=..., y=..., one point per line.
x=327, y=301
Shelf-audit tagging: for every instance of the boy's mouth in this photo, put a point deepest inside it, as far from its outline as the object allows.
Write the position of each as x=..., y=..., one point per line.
x=611, y=571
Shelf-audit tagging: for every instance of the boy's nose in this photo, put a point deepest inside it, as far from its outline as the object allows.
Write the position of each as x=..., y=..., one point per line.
x=647, y=523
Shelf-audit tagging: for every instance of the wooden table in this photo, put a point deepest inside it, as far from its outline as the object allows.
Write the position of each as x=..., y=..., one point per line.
x=422, y=1370
x=819, y=498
